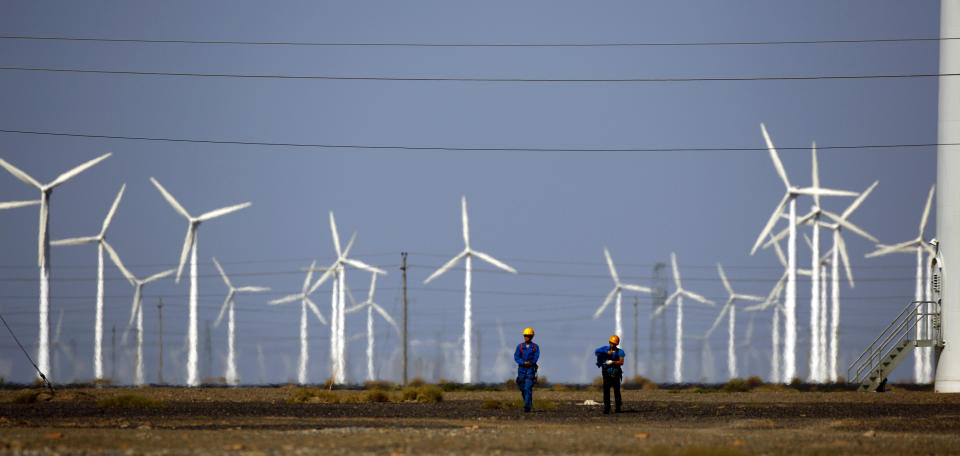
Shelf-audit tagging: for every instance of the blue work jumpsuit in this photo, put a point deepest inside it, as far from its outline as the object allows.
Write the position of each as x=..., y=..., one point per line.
x=526, y=374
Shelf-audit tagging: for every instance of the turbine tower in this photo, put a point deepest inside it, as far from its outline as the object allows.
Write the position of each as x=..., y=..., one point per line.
x=467, y=255
x=677, y=296
x=923, y=367
x=190, y=245
x=617, y=291
x=338, y=302
x=136, y=308
x=370, y=305
x=228, y=307
x=43, y=244
x=730, y=306
x=789, y=199
x=305, y=303
x=101, y=240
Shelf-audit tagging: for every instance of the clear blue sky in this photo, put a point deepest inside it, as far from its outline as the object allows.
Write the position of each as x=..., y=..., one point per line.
x=557, y=208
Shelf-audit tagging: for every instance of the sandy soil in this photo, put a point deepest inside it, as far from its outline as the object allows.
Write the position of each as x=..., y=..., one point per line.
x=260, y=421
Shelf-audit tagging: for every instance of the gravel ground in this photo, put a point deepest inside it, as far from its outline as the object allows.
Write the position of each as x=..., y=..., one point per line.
x=260, y=421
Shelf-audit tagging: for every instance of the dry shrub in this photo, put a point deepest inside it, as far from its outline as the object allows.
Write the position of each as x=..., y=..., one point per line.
x=426, y=393
x=376, y=395
x=416, y=382
x=352, y=398
x=645, y=383
x=302, y=395
x=544, y=404
x=559, y=387
x=129, y=401
x=102, y=382
x=650, y=386
x=796, y=381
x=492, y=404
x=754, y=381
x=214, y=381
x=598, y=381
x=26, y=397
x=379, y=385
x=735, y=385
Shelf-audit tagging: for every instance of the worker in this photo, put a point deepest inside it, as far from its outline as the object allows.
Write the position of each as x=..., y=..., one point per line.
x=526, y=357
x=610, y=362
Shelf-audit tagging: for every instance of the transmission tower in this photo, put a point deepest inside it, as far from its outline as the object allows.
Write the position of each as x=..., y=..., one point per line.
x=658, y=325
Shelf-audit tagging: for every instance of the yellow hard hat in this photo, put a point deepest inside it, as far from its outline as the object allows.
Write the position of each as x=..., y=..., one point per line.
x=528, y=332
x=615, y=339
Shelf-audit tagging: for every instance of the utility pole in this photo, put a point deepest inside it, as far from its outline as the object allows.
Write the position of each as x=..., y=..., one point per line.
x=636, y=334
x=113, y=354
x=160, y=342
x=403, y=268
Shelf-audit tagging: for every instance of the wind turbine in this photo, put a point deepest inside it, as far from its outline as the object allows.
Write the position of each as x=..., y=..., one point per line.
x=338, y=302
x=467, y=255
x=922, y=367
x=43, y=244
x=305, y=302
x=231, y=374
x=732, y=308
x=617, y=291
x=677, y=296
x=101, y=240
x=136, y=309
x=789, y=199
x=190, y=245
x=370, y=305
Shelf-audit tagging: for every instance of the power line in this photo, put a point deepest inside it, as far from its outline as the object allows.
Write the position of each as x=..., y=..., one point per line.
x=478, y=79
x=472, y=45
x=466, y=148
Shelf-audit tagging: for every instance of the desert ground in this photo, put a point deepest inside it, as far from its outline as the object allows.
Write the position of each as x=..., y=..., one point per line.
x=294, y=420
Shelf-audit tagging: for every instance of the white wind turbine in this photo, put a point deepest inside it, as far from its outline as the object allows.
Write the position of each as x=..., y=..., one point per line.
x=305, y=303
x=228, y=308
x=617, y=291
x=923, y=366
x=338, y=302
x=789, y=199
x=136, y=310
x=677, y=296
x=731, y=307
x=370, y=305
x=190, y=245
x=101, y=240
x=43, y=244
x=467, y=255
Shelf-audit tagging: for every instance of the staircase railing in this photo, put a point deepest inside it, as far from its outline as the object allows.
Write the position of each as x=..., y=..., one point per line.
x=900, y=330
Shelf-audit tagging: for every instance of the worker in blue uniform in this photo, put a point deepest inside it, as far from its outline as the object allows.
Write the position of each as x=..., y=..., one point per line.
x=610, y=362
x=526, y=357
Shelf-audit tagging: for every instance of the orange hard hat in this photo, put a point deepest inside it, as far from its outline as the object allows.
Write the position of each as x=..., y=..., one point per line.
x=615, y=339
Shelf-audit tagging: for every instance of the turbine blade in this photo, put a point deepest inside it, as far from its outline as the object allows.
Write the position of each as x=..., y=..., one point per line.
x=223, y=275
x=676, y=270
x=613, y=270
x=775, y=238
x=172, y=201
x=353, y=301
x=75, y=241
x=187, y=241
x=316, y=311
x=888, y=249
x=723, y=278
x=20, y=174
x=353, y=238
x=159, y=275
x=637, y=288
x=79, y=169
x=856, y=203
x=373, y=287
x=113, y=210
x=808, y=241
x=223, y=211
x=16, y=204
x=844, y=257
x=697, y=297
x=926, y=210
x=42, y=235
x=306, y=280
x=361, y=265
x=136, y=304
x=770, y=222
x=223, y=309
x=494, y=261
x=665, y=304
x=252, y=289
x=336, y=236
x=119, y=264
x=749, y=297
x=776, y=158
x=286, y=299
x=779, y=252
x=850, y=226
x=606, y=302
x=823, y=192
x=465, y=220
x=356, y=307
x=453, y=261
x=326, y=275
x=56, y=333
x=716, y=321
x=383, y=313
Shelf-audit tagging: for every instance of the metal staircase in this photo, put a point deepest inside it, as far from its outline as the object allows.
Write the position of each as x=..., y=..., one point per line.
x=873, y=366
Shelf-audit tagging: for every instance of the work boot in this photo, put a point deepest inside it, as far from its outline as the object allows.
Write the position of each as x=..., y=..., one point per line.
x=606, y=411
x=526, y=410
